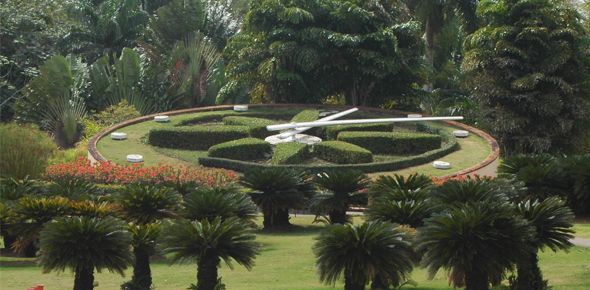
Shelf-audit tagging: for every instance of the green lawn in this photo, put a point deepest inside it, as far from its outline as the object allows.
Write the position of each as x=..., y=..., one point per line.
x=286, y=262
x=473, y=149
x=582, y=228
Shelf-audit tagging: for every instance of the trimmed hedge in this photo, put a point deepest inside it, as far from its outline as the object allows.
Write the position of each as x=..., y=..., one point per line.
x=392, y=142
x=241, y=149
x=195, y=137
x=306, y=116
x=333, y=131
x=290, y=153
x=450, y=145
x=342, y=152
x=257, y=125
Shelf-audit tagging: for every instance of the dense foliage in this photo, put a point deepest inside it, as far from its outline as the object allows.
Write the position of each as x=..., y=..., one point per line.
x=529, y=69
x=20, y=161
x=305, y=51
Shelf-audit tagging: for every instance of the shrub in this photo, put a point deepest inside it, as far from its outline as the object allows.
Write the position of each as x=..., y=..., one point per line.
x=195, y=137
x=111, y=173
x=342, y=152
x=392, y=142
x=257, y=126
x=290, y=153
x=24, y=151
x=242, y=149
x=114, y=114
x=309, y=116
x=306, y=116
x=333, y=131
x=449, y=145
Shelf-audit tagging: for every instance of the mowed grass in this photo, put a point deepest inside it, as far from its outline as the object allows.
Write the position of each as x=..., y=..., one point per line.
x=582, y=227
x=286, y=262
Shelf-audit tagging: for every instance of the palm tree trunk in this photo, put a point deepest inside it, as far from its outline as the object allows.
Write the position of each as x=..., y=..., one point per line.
x=378, y=283
x=350, y=284
x=84, y=279
x=207, y=272
x=476, y=280
x=275, y=218
x=529, y=274
x=338, y=216
x=429, y=36
x=142, y=274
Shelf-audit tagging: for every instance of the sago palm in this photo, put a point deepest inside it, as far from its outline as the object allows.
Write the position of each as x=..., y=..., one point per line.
x=30, y=214
x=209, y=242
x=360, y=253
x=386, y=183
x=402, y=200
x=339, y=189
x=552, y=223
x=477, y=189
x=475, y=242
x=85, y=244
x=144, y=205
x=225, y=202
x=406, y=212
x=275, y=191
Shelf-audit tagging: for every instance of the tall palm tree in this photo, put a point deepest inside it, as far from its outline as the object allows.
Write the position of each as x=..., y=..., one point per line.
x=552, y=223
x=224, y=201
x=84, y=244
x=143, y=206
x=275, y=191
x=209, y=242
x=475, y=241
x=359, y=253
x=435, y=15
x=339, y=189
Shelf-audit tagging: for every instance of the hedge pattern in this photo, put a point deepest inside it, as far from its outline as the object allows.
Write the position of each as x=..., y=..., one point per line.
x=195, y=137
x=342, y=152
x=392, y=143
x=449, y=145
x=333, y=131
x=290, y=153
x=242, y=149
x=257, y=125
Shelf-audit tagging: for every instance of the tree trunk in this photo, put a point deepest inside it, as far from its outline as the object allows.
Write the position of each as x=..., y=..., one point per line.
x=429, y=37
x=338, y=217
x=142, y=274
x=276, y=218
x=529, y=275
x=84, y=279
x=475, y=280
x=207, y=272
x=379, y=283
x=350, y=284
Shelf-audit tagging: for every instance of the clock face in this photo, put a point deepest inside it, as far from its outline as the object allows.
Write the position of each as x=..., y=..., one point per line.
x=238, y=139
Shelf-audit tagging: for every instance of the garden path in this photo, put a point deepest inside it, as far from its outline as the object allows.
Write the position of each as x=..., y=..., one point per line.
x=581, y=242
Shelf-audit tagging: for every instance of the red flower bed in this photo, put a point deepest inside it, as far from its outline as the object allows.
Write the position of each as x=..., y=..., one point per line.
x=438, y=181
x=112, y=173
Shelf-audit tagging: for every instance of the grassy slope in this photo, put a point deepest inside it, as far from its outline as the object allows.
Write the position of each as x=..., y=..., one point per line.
x=286, y=262
x=473, y=149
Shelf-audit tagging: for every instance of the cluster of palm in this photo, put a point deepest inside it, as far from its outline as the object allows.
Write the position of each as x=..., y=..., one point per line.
x=479, y=230
x=206, y=225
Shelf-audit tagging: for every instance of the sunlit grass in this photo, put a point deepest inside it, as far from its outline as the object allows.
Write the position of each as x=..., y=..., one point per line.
x=286, y=262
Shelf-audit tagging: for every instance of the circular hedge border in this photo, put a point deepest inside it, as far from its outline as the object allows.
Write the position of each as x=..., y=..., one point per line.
x=94, y=155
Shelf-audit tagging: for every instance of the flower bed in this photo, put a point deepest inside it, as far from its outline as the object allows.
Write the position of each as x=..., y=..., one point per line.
x=112, y=173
